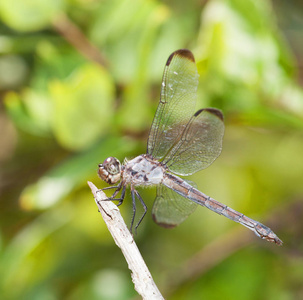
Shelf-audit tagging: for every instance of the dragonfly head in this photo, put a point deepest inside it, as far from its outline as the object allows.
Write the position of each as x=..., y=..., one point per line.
x=110, y=170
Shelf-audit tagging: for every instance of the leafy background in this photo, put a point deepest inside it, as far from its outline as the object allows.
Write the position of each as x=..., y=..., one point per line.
x=80, y=81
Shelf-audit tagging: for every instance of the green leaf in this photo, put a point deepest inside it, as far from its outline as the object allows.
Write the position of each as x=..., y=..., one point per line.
x=29, y=15
x=83, y=106
x=242, y=61
x=29, y=110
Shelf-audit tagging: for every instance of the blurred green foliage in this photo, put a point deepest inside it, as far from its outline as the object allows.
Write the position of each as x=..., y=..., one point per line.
x=80, y=81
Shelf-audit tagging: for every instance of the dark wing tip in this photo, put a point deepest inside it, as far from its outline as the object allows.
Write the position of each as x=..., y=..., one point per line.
x=198, y=112
x=183, y=53
x=213, y=111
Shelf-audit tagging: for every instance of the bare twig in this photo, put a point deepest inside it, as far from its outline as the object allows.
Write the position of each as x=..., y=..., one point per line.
x=141, y=276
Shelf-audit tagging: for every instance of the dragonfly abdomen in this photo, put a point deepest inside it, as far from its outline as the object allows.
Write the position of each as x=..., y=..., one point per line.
x=186, y=190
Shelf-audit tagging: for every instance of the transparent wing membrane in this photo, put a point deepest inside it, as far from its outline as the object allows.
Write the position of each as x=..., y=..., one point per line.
x=177, y=102
x=170, y=209
x=199, y=144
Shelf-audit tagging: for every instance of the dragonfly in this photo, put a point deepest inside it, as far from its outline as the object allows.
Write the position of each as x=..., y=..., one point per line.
x=180, y=143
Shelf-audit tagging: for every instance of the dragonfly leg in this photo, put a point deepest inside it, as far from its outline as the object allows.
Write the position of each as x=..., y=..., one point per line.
x=145, y=209
x=122, y=196
x=116, y=192
x=134, y=209
x=112, y=198
x=110, y=187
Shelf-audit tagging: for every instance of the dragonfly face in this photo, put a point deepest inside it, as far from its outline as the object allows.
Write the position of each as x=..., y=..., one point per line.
x=110, y=170
x=181, y=142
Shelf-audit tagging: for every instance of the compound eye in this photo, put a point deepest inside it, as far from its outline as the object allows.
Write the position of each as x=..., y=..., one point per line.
x=112, y=165
x=110, y=170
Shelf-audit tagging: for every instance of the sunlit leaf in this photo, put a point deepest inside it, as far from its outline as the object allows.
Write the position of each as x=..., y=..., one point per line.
x=30, y=110
x=242, y=60
x=83, y=106
x=29, y=15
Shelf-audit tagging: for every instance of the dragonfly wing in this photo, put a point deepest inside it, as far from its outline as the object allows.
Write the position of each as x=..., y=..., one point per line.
x=177, y=102
x=170, y=209
x=199, y=145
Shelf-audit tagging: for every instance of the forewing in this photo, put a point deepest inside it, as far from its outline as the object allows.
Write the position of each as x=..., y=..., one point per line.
x=170, y=209
x=199, y=145
x=177, y=102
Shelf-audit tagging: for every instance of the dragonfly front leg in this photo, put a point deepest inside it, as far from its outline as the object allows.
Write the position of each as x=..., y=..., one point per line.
x=112, y=198
x=122, y=196
x=110, y=187
x=118, y=188
x=115, y=192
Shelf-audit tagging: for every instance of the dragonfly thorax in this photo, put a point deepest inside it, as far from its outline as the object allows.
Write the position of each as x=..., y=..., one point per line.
x=143, y=171
x=110, y=170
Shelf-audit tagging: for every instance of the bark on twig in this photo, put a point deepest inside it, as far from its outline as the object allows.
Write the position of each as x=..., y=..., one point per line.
x=141, y=276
